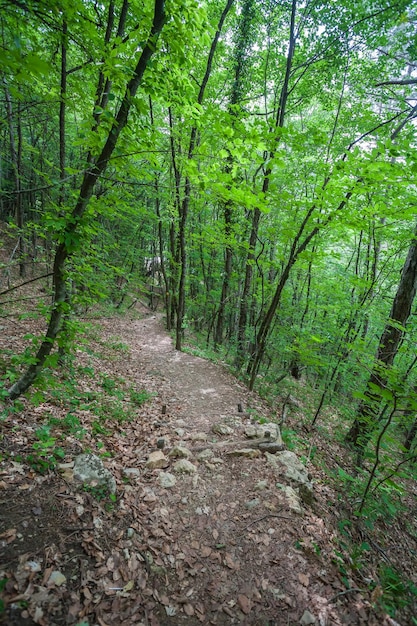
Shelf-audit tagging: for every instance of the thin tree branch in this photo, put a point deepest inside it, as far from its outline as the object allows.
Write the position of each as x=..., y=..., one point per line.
x=405, y=81
x=27, y=282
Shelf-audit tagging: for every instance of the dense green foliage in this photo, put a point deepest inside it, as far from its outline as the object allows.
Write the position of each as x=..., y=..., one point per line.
x=297, y=137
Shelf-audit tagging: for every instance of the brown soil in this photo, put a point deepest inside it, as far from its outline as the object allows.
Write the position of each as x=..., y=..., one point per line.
x=219, y=547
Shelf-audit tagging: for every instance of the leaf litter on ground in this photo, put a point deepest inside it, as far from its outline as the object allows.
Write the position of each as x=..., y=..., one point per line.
x=211, y=549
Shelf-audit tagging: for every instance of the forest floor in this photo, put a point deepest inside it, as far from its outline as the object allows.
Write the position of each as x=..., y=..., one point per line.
x=222, y=545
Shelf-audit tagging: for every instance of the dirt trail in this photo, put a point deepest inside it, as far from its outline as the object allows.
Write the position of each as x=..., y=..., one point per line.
x=198, y=391
x=222, y=546
x=239, y=554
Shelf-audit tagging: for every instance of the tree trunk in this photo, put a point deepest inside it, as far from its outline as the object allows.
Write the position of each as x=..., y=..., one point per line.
x=279, y=123
x=69, y=241
x=243, y=42
x=297, y=248
x=410, y=436
x=174, y=248
x=244, y=301
x=62, y=162
x=167, y=294
x=185, y=204
x=62, y=108
x=16, y=160
x=390, y=340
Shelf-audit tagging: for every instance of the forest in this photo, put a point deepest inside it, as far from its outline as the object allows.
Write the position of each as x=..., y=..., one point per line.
x=248, y=167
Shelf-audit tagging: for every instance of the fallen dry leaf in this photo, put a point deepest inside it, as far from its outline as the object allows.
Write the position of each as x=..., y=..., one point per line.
x=304, y=579
x=244, y=603
x=206, y=551
x=229, y=561
x=9, y=535
x=188, y=609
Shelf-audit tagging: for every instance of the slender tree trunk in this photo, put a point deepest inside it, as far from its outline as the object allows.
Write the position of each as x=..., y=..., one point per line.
x=410, y=410
x=173, y=239
x=16, y=160
x=279, y=123
x=167, y=294
x=20, y=209
x=101, y=91
x=410, y=436
x=69, y=241
x=62, y=162
x=247, y=283
x=297, y=248
x=185, y=204
x=308, y=290
x=243, y=43
x=62, y=108
x=227, y=272
x=390, y=340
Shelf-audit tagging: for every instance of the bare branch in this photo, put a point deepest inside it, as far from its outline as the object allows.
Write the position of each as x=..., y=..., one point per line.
x=32, y=280
x=405, y=81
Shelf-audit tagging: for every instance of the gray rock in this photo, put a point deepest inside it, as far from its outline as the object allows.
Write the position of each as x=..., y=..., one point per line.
x=130, y=472
x=222, y=429
x=250, y=432
x=306, y=494
x=271, y=446
x=180, y=452
x=184, y=467
x=252, y=504
x=157, y=460
x=277, y=593
x=89, y=469
x=273, y=429
x=293, y=498
x=307, y=619
x=261, y=485
x=202, y=510
x=205, y=454
x=232, y=420
x=149, y=495
x=293, y=468
x=167, y=480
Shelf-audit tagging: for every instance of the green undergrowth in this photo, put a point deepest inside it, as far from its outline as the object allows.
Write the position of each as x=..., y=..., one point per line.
x=101, y=494
x=90, y=404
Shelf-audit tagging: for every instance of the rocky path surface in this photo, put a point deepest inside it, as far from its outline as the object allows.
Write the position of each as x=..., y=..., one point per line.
x=242, y=546
x=206, y=529
x=194, y=389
